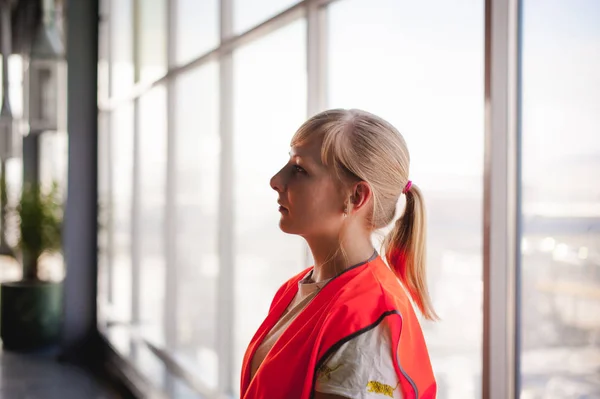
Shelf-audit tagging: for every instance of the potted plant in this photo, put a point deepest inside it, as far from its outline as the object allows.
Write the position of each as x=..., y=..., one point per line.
x=31, y=309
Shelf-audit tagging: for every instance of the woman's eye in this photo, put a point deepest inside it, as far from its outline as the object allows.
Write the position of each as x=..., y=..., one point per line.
x=299, y=169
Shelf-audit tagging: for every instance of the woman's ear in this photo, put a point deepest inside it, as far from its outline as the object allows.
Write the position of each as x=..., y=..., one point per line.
x=361, y=194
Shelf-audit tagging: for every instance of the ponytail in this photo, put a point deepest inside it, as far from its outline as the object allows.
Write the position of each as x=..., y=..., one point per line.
x=405, y=251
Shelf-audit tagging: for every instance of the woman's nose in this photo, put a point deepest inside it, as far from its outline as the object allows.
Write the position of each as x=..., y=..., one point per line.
x=277, y=182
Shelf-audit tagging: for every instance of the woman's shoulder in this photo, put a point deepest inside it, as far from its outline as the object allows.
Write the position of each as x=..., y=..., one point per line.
x=362, y=367
x=377, y=288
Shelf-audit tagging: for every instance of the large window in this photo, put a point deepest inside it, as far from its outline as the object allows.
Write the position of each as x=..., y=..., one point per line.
x=190, y=249
x=560, y=321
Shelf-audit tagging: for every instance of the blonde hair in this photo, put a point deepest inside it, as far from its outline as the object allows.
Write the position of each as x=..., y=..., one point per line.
x=360, y=146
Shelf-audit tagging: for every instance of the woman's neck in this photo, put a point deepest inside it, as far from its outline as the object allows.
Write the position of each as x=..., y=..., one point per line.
x=333, y=257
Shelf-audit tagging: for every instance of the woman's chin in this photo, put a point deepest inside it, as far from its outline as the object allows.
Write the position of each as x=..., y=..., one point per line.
x=286, y=226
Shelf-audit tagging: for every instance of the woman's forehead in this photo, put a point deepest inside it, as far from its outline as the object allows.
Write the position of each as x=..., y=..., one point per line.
x=310, y=149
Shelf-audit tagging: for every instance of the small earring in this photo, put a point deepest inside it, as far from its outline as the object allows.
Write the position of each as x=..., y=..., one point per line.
x=345, y=211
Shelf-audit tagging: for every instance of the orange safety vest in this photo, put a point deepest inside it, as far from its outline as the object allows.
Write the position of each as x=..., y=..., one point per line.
x=352, y=303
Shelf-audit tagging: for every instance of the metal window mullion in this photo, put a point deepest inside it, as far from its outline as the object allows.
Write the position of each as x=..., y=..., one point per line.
x=136, y=219
x=108, y=42
x=518, y=42
x=136, y=26
x=316, y=58
x=136, y=185
x=110, y=194
x=107, y=14
x=172, y=274
x=226, y=240
x=170, y=306
x=106, y=21
x=500, y=201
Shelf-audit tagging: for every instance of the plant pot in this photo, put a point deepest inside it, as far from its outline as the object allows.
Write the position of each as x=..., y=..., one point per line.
x=31, y=314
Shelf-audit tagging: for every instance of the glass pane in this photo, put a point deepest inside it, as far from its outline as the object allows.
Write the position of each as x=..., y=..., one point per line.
x=247, y=14
x=15, y=84
x=197, y=28
x=420, y=66
x=153, y=159
x=121, y=46
x=122, y=197
x=269, y=105
x=561, y=200
x=15, y=81
x=197, y=169
x=152, y=46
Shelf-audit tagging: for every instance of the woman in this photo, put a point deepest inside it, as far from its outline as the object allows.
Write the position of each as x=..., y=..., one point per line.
x=346, y=328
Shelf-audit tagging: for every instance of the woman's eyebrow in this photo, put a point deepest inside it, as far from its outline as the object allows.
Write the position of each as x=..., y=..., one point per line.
x=296, y=155
x=304, y=158
x=301, y=159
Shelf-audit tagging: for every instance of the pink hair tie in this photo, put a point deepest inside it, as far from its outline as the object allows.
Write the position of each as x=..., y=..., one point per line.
x=407, y=187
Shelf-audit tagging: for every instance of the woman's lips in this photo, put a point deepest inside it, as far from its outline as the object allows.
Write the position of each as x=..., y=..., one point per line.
x=281, y=207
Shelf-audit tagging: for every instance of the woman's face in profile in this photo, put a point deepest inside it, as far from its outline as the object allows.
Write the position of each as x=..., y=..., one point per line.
x=311, y=203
